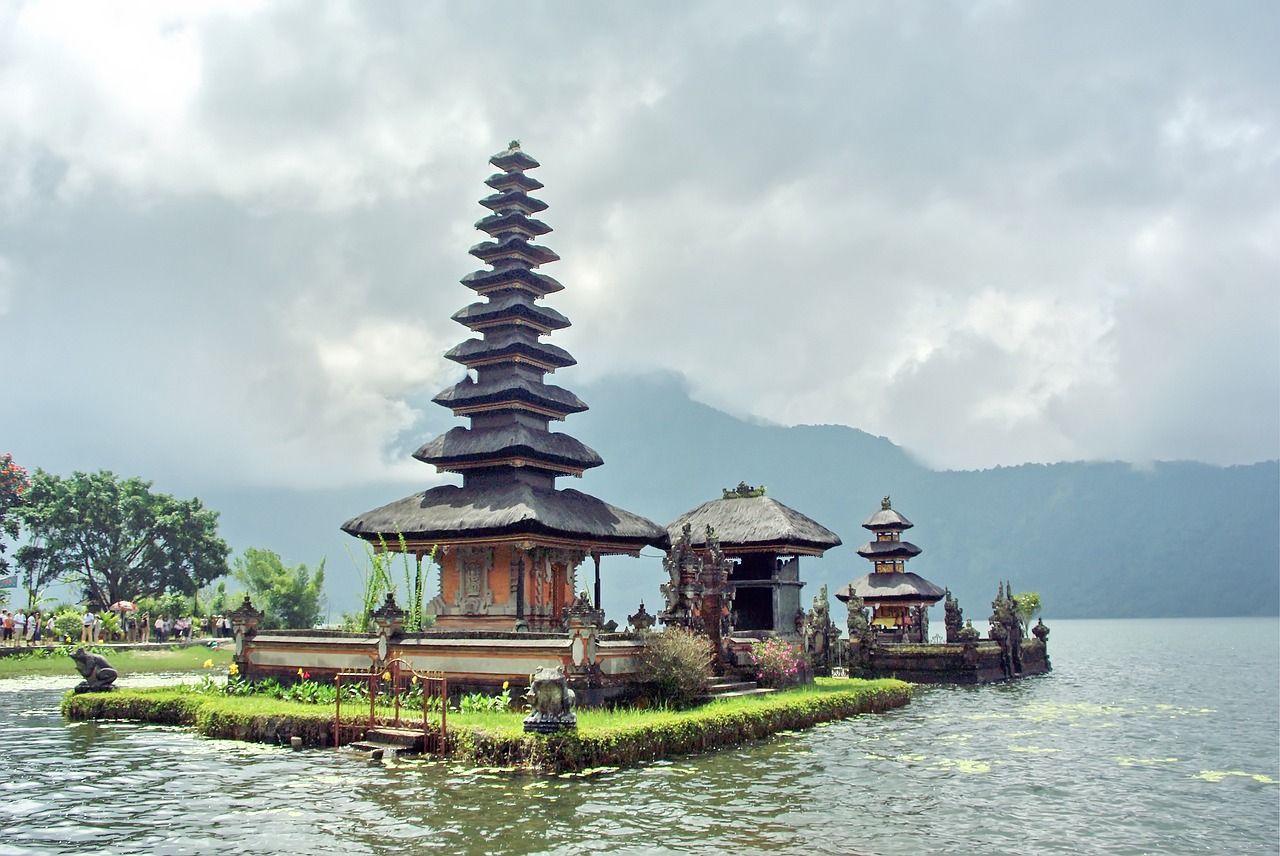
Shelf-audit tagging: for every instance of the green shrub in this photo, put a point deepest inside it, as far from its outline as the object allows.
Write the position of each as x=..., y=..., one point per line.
x=67, y=625
x=678, y=664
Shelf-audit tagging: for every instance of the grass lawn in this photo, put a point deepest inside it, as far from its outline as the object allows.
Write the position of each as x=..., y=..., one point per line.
x=604, y=737
x=54, y=661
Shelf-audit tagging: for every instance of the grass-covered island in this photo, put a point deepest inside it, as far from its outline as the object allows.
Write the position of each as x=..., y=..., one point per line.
x=617, y=737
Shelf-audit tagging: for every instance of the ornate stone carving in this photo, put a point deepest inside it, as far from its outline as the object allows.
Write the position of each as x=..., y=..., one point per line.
x=641, y=621
x=550, y=702
x=953, y=617
x=821, y=636
x=1041, y=631
x=96, y=671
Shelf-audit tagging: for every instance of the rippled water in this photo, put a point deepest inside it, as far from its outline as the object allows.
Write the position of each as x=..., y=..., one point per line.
x=1149, y=737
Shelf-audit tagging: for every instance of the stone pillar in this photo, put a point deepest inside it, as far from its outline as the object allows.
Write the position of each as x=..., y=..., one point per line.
x=595, y=557
x=244, y=626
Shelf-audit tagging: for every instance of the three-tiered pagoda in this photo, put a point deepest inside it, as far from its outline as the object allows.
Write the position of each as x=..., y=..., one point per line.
x=510, y=541
x=899, y=599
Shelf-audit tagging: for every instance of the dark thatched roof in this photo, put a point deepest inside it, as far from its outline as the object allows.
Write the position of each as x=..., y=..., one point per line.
x=497, y=345
x=502, y=181
x=517, y=199
x=540, y=282
x=513, y=246
x=460, y=445
x=510, y=305
x=448, y=513
x=755, y=521
x=892, y=587
x=513, y=160
x=883, y=550
x=511, y=221
x=887, y=518
x=467, y=393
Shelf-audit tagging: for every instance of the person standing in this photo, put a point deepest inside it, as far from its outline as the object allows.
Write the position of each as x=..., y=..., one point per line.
x=50, y=630
x=144, y=627
x=33, y=627
x=20, y=628
x=7, y=633
x=86, y=625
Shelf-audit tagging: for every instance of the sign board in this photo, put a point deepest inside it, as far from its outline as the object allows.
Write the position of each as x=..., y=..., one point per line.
x=9, y=582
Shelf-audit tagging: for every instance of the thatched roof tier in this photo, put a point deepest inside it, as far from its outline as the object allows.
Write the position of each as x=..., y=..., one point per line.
x=450, y=514
x=496, y=348
x=465, y=448
x=755, y=524
x=513, y=249
x=513, y=159
x=505, y=181
x=885, y=550
x=512, y=222
x=886, y=519
x=513, y=200
x=514, y=278
x=896, y=587
x=469, y=396
x=510, y=308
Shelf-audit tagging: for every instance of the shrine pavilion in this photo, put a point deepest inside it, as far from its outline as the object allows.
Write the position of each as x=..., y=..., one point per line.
x=899, y=599
x=764, y=540
x=509, y=541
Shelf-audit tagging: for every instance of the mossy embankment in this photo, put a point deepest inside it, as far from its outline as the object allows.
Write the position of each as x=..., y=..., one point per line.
x=127, y=661
x=604, y=737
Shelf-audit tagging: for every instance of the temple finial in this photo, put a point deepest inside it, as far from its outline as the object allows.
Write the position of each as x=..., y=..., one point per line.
x=885, y=505
x=513, y=146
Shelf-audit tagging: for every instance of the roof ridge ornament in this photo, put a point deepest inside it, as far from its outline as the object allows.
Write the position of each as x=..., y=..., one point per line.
x=885, y=504
x=742, y=491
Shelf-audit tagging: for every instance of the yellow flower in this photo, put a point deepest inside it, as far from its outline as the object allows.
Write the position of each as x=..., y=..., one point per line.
x=208, y=664
x=506, y=685
x=300, y=674
x=233, y=670
x=386, y=676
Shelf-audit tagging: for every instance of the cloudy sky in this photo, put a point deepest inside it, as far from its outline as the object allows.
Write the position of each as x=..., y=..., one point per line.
x=994, y=232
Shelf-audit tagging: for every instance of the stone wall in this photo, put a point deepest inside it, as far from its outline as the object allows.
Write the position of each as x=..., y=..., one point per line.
x=954, y=662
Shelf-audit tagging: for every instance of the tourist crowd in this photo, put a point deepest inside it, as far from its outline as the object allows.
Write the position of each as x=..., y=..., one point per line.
x=36, y=628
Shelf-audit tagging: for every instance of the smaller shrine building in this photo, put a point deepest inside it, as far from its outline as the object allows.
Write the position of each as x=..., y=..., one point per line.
x=899, y=599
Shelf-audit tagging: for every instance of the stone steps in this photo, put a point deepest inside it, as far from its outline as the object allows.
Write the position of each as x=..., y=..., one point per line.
x=379, y=743
x=730, y=688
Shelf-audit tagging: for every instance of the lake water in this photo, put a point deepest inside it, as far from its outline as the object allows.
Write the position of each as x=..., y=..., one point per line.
x=1153, y=736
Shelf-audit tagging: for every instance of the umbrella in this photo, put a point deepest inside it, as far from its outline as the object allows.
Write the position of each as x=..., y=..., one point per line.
x=123, y=606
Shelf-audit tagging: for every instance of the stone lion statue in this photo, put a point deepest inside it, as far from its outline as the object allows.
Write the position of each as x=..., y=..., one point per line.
x=97, y=672
x=550, y=701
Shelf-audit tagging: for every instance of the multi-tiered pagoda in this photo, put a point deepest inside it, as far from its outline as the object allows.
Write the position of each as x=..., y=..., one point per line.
x=510, y=541
x=899, y=599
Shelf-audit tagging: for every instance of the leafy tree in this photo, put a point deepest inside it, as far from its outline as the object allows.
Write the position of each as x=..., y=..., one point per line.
x=118, y=540
x=289, y=597
x=220, y=599
x=13, y=484
x=1028, y=608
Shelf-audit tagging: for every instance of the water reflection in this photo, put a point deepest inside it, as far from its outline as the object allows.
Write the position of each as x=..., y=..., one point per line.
x=1176, y=756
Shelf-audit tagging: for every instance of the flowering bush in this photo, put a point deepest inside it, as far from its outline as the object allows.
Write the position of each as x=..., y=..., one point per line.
x=678, y=664
x=779, y=663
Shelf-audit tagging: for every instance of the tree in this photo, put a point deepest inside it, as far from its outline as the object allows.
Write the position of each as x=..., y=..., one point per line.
x=39, y=568
x=290, y=597
x=1028, y=608
x=13, y=484
x=118, y=540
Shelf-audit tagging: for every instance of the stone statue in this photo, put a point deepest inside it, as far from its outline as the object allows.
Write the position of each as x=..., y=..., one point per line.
x=96, y=671
x=953, y=617
x=550, y=702
x=860, y=636
x=1041, y=630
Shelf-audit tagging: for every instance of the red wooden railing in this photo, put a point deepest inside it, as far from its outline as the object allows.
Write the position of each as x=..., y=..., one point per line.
x=399, y=675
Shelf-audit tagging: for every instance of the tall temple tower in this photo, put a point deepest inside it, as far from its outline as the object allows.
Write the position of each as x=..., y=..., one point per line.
x=510, y=541
x=899, y=599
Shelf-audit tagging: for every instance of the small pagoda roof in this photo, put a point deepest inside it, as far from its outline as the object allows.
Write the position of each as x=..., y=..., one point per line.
x=881, y=550
x=904, y=586
x=471, y=394
x=452, y=514
x=886, y=518
x=494, y=349
x=513, y=159
x=512, y=277
x=513, y=247
x=505, y=307
x=754, y=523
x=511, y=221
x=504, y=181
x=464, y=445
x=514, y=198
